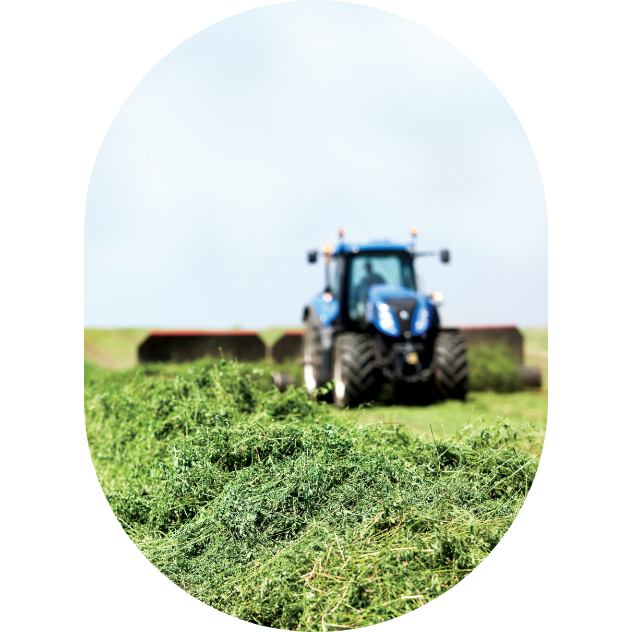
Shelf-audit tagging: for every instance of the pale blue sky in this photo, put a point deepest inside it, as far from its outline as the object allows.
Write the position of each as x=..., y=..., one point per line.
x=259, y=137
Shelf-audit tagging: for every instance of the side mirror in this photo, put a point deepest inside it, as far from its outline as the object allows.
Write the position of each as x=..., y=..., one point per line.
x=311, y=256
x=445, y=256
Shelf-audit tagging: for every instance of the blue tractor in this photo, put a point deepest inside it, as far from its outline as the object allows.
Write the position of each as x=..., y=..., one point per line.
x=371, y=325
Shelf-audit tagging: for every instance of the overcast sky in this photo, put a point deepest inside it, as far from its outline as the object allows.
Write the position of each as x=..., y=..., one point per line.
x=259, y=137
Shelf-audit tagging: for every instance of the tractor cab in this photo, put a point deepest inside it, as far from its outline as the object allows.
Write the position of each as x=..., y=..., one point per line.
x=373, y=286
x=374, y=275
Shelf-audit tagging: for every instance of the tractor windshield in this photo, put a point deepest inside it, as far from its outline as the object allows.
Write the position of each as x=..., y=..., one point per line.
x=370, y=269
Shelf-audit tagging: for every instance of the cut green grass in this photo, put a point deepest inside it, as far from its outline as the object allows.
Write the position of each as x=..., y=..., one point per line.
x=292, y=514
x=527, y=409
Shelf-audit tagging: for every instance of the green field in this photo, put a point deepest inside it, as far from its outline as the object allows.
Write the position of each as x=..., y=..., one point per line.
x=117, y=348
x=112, y=348
x=536, y=350
x=292, y=513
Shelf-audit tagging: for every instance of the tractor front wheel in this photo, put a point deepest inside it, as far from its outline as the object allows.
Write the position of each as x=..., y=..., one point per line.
x=356, y=375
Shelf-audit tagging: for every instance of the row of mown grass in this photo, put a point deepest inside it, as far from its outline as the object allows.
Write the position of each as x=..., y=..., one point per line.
x=278, y=510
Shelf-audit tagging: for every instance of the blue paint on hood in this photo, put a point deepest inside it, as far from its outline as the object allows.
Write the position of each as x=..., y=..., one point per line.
x=424, y=316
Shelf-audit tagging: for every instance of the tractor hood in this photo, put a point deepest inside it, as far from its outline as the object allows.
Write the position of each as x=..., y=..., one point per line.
x=396, y=310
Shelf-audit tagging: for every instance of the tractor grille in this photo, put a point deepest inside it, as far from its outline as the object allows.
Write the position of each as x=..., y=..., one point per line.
x=400, y=304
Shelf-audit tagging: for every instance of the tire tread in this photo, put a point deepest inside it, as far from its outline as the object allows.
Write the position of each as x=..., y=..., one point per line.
x=359, y=367
x=450, y=360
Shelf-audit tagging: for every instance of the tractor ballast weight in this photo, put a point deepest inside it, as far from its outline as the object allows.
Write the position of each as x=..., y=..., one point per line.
x=371, y=325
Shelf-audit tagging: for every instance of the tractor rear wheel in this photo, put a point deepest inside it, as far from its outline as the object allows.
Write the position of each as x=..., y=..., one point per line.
x=357, y=377
x=450, y=361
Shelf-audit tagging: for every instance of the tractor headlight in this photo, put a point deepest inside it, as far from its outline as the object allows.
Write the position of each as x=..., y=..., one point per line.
x=386, y=319
x=421, y=320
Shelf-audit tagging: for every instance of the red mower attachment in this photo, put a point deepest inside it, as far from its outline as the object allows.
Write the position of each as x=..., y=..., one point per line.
x=186, y=346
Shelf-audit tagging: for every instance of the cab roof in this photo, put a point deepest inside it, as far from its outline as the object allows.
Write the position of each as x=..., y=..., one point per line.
x=372, y=245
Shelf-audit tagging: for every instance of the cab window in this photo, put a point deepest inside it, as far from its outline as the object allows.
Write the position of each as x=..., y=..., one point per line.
x=368, y=270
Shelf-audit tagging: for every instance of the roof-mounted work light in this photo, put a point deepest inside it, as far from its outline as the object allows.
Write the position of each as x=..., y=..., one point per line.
x=413, y=232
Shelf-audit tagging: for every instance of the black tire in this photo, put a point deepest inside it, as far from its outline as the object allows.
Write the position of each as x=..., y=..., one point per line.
x=450, y=365
x=357, y=377
x=316, y=359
